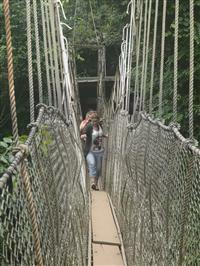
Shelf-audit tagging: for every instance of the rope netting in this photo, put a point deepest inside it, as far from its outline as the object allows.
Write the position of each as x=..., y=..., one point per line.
x=153, y=179
x=59, y=198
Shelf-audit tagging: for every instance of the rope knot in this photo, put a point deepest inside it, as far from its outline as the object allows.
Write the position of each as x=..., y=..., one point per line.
x=34, y=124
x=174, y=125
x=23, y=148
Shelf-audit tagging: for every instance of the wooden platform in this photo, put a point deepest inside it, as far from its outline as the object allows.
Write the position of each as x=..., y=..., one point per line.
x=106, y=241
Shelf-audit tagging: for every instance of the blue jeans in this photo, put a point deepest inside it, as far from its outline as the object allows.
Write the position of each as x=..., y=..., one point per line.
x=94, y=161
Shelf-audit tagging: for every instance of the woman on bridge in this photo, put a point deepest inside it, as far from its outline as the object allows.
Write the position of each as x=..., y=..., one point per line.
x=92, y=134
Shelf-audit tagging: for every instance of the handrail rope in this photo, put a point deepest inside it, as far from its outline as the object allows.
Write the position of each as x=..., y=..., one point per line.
x=162, y=59
x=176, y=61
x=30, y=62
x=93, y=21
x=147, y=53
x=50, y=51
x=136, y=94
x=46, y=53
x=153, y=57
x=6, y=8
x=143, y=55
x=55, y=53
x=38, y=56
x=191, y=78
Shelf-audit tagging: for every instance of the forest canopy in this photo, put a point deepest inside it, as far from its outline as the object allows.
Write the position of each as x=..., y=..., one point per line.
x=102, y=22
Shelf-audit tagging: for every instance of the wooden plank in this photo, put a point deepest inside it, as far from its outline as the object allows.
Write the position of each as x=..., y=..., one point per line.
x=106, y=255
x=103, y=225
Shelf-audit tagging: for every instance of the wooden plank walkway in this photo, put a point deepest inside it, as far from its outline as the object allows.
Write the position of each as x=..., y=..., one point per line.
x=106, y=241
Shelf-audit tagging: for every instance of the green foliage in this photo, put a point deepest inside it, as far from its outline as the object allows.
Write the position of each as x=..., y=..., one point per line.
x=6, y=156
x=46, y=139
x=5, y=153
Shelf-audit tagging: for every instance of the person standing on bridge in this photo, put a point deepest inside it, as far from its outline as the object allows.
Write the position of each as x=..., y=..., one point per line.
x=93, y=150
x=87, y=119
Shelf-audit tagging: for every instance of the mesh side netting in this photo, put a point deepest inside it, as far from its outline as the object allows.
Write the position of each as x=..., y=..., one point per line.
x=61, y=202
x=153, y=177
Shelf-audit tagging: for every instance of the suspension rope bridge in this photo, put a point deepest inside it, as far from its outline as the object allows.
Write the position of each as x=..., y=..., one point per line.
x=151, y=172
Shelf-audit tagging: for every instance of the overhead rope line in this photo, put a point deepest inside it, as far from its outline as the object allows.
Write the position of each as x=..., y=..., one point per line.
x=6, y=7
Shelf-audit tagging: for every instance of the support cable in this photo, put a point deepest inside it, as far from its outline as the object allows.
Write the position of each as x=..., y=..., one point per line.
x=176, y=61
x=50, y=49
x=38, y=57
x=55, y=53
x=162, y=59
x=153, y=57
x=94, y=25
x=46, y=53
x=143, y=55
x=191, y=79
x=74, y=26
x=30, y=63
x=138, y=44
x=6, y=7
x=147, y=53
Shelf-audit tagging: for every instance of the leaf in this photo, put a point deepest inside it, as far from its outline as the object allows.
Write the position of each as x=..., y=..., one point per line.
x=3, y=159
x=3, y=144
x=7, y=140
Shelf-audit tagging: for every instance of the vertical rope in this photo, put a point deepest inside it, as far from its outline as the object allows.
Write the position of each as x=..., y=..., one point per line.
x=147, y=53
x=50, y=51
x=10, y=71
x=95, y=29
x=162, y=59
x=32, y=213
x=38, y=57
x=143, y=56
x=175, y=61
x=74, y=26
x=46, y=53
x=55, y=52
x=138, y=42
x=153, y=57
x=30, y=67
x=191, y=80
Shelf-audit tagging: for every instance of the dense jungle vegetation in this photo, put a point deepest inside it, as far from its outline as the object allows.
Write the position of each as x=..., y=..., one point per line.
x=109, y=17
